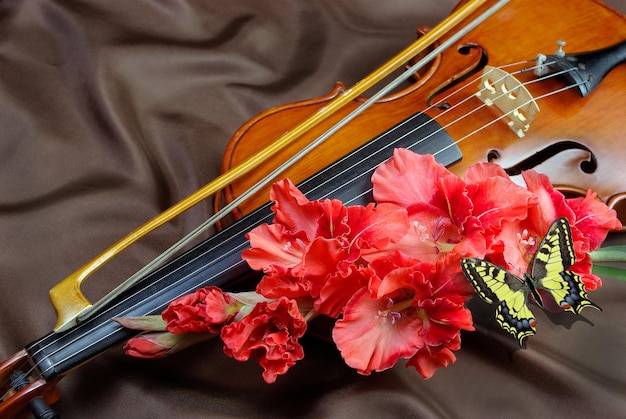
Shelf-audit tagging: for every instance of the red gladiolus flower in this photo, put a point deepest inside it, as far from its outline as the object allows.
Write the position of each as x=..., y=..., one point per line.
x=375, y=333
x=409, y=307
x=148, y=345
x=269, y=334
x=593, y=218
x=161, y=344
x=206, y=310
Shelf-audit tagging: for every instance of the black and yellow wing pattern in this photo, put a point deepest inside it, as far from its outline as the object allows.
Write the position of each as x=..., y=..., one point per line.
x=555, y=254
x=494, y=284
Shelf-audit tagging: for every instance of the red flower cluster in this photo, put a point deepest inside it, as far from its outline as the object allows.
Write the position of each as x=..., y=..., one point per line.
x=389, y=273
x=249, y=325
x=491, y=216
x=391, y=304
x=318, y=249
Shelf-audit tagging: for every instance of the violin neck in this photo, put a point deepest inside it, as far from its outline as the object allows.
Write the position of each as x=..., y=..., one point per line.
x=217, y=260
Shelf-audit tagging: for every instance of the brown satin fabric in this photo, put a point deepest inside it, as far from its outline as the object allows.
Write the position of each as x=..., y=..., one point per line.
x=112, y=111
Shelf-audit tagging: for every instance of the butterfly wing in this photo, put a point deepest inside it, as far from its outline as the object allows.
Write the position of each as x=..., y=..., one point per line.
x=549, y=269
x=496, y=284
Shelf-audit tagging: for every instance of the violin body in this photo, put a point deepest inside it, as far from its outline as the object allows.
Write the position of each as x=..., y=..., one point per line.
x=558, y=121
x=119, y=386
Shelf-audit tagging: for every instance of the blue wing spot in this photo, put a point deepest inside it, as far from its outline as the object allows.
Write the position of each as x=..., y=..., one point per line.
x=521, y=325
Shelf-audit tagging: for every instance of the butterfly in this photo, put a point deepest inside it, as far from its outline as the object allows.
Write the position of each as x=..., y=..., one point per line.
x=549, y=273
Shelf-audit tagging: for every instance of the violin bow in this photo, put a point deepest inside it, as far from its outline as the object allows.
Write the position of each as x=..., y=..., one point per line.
x=67, y=298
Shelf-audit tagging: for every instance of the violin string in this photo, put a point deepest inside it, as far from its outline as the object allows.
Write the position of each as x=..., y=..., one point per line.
x=383, y=148
x=443, y=128
x=572, y=86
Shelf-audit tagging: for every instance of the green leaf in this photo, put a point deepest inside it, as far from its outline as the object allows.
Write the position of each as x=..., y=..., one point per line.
x=609, y=254
x=153, y=323
x=610, y=271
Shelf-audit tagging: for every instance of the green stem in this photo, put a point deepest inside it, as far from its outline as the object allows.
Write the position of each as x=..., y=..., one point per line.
x=609, y=254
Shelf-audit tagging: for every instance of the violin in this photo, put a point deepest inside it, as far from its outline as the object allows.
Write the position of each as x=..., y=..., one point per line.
x=449, y=110
x=575, y=157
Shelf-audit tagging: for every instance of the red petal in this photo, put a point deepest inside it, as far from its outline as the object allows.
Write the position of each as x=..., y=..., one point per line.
x=496, y=197
x=594, y=219
x=372, y=341
x=293, y=210
x=323, y=258
x=407, y=178
x=271, y=245
x=270, y=334
x=428, y=359
x=278, y=285
x=375, y=227
x=339, y=288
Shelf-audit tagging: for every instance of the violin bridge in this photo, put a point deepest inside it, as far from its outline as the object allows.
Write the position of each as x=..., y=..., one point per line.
x=499, y=88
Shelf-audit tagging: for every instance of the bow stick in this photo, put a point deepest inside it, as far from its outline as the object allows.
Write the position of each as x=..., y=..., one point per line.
x=67, y=298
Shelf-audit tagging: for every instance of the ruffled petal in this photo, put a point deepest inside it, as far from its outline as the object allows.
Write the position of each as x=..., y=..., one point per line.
x=407, y=178
x=272, y=246
x=293, y=210
x=374, y=228
x=269, y=334
x=277, y=285
x=445, y=320
x=593, y=218
x=495, y=197
x=429, y=359
x=339, y=288
x=550, y=202
x=371, y=338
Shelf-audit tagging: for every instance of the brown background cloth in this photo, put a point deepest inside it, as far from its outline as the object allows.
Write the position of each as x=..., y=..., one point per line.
x=112, y=111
